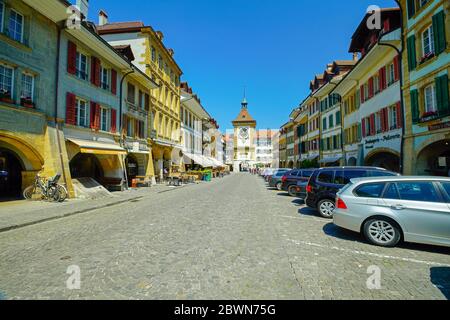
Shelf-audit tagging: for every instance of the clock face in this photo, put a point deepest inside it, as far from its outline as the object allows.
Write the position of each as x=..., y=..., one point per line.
x=243, y=134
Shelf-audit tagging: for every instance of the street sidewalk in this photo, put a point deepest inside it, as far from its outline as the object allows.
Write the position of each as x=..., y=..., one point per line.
x=22, y=213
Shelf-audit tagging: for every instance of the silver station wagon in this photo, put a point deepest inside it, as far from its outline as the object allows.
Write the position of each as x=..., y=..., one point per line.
x=387, y=210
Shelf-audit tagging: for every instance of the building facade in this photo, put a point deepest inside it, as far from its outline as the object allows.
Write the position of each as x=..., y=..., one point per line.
x=425, y=68
x=157, y=62
x=244, y=140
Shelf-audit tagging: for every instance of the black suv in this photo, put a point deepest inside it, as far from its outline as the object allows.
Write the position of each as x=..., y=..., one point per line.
x=290, y=179
x=326, y=182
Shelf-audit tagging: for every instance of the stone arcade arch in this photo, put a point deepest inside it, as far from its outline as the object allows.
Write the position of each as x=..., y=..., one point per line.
x=384, y=158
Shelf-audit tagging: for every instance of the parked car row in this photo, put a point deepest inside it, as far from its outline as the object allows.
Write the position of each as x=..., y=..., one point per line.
x=381, y=205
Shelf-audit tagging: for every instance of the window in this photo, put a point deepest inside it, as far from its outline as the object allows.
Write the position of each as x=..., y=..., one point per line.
x=326, y=176
x=391, y=192
x=418, y=191
x=324, y=124
x=81, y=113
x=383, y=173
x=331, y=121
x=153, y=54
x=423, y=2
x=446, y=186
x=104, y=119
x=131, y=95
x=366, y=91
x=391, y=74
x=2, y=14
x=16, y=26
x=378, y=122
x=428, y=41
x=370, y=190
x=105, y=78
x=6, y=80
x=81, y=62
x=393, y=117
x=376, y=84
x=430, y=98
x=307, y=173
x=344, y=177
x=160, y=62
x=27, y=86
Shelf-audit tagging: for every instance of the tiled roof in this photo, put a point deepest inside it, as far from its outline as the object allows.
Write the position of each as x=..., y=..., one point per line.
x=120, y=26
x=244, y=116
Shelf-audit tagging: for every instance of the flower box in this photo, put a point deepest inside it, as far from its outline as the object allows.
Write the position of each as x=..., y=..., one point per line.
x=426, y=57
x=26, y=102
x=429, y=116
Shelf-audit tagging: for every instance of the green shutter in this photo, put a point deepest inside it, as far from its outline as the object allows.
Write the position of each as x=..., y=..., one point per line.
x=411, y=8
x=415, y=106
x=357, y=99
x=338, y=118
x=359, y=131
x=411, y=44
x=440, y=41
x=442, y=95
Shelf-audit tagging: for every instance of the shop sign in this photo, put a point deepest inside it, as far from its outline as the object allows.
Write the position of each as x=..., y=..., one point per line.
x=438, y=126
x=370, y=143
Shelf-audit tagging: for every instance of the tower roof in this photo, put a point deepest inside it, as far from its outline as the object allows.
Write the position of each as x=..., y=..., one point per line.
x=244, y=116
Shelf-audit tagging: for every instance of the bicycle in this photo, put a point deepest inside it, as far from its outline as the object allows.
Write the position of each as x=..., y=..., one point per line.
x=49, y=190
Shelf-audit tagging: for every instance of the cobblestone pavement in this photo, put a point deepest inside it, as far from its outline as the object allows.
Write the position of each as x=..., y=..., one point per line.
x=229, y=239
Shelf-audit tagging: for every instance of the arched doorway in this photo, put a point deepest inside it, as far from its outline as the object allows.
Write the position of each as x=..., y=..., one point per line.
x=351, y=162
x=86, y=166
x=11, y=168
x=132, y=167
x=434, y=159
x=384, y=159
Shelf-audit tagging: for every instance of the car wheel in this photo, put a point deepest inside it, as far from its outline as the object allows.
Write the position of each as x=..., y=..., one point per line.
x=382, y=232
x=292, y=190
x=326, y=208
x=278, y=186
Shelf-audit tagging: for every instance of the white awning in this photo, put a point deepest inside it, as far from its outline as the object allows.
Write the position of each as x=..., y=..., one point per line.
x=97, y=147
x=331, y=159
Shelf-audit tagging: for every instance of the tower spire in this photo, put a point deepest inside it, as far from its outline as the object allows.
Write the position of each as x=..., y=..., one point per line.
x=244, y=101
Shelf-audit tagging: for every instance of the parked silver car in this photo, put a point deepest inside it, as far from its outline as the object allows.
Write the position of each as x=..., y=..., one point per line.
x=390, y=209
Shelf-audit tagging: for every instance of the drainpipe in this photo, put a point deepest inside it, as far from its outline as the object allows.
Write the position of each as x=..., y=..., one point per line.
x=57, y=127
x=402, y=102
x=120, y=123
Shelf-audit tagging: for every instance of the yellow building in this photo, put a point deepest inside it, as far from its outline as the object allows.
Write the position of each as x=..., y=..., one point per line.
x=426, y=68
x=157, y=62
x=244, y=140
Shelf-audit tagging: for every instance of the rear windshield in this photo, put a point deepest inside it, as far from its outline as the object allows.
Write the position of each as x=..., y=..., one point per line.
x=344, y=176
x=307, y=173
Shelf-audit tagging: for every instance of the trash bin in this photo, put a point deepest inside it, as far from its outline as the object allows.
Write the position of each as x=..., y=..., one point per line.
x=208, y=176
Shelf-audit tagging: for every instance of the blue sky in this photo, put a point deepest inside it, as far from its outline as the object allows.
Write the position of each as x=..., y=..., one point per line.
x=274, y=48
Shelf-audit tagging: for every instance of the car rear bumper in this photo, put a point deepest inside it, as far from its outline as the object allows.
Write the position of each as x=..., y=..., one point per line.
x=344, y=219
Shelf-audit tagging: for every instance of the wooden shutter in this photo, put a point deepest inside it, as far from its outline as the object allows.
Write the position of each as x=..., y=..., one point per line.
x=411, y=8
x=387, y=25
x=415, y=106
x=372, y=124
x=363, y=124
x=93, y=74
x=71, y=116
x=399, y=115
x=397, y=68
x=362, y=94
x=93, y=110
x=411, y=46
x=442, y=95
x=97, y=72
x=440, y=41
x=371, y=91
x=71, y=58
x=97, y=116
x=113, y=81
x=113, y=120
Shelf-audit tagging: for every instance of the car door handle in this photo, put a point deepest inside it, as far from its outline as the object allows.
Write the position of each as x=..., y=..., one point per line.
x=398, y=207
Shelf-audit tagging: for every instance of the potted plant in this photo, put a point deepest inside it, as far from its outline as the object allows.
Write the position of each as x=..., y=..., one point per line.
x=26, y=102
x=428, y=116
x=426, y=57
x=5, y=96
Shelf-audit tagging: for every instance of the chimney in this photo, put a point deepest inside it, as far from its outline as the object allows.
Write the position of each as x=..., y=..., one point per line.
x=102, y=18
x=84, y=8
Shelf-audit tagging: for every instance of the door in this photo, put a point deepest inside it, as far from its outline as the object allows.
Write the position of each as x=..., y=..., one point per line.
x=421, y=210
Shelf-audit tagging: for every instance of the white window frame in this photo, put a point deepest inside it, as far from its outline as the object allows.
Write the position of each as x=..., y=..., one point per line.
x=2, y=12
x=86, y=113
x=430, y=43
x=27, y=74
x=378, y=122
x=376, y=84
x=78, y=66
x=104, y=117
x=22, y=26
x=12, y=78
x=433, y=99
x=393, y=121
x=391, y=74
x=104, y=71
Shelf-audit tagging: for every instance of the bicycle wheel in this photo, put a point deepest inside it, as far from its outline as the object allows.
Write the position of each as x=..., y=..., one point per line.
x=53, y=194
x=29, y=192
x=62, y=193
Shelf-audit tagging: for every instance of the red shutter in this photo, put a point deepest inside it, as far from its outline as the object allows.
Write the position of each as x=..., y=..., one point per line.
x=396, y=68
x=362, y=93
x=93, y=74
x=71, y=58
x=399, y=115
x=372, y=124
x=71, y=109
x=113, y=120
x=92, y=114
x=97, y=117
x=363, y=129
x=370, y=88
x=382, y=78
x=386, y=26
x=114, y=81
x=98, y=72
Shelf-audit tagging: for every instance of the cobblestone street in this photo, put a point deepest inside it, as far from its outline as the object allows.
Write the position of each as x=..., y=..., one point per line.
x=232, y=238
